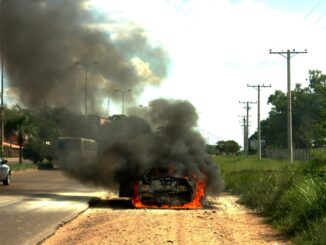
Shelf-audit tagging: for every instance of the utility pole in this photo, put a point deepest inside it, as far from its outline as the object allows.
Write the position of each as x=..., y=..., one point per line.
x=244, y=133
x=288, y=56
x=2, y=116
x=123, y=99
x=2, y=104
x=108, y=114
x=258, y=117
x=247, y=107
x=86, y=65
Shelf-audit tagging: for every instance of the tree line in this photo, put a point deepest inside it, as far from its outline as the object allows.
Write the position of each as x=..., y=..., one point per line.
x=36, y=131
x=308, y=119
x=308, y=115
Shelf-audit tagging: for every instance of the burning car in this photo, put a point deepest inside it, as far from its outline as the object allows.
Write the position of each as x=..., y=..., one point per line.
x=168, y=187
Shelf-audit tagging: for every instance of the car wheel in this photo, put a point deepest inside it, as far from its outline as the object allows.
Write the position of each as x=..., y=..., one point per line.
x=7, y=180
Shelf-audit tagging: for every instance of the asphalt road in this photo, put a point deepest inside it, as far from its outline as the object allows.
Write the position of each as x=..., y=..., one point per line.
x=37, y=202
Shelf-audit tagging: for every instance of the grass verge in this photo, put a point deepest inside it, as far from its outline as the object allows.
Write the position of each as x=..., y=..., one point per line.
x=23, y=166
x=292, y=197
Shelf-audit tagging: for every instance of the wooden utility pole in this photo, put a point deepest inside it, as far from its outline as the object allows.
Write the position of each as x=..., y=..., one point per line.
x=258, y=117
x=247, y=107
x=244, y=132
x=288, y=56
x=2, y=40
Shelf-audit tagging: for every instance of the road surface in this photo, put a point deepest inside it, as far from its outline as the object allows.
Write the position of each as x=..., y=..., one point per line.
x=37, y=202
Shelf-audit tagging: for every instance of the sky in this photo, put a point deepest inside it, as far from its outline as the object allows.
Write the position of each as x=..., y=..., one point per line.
x=216, y=48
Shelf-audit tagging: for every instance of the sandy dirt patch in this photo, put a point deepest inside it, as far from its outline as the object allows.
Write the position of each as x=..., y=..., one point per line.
x=114, y=221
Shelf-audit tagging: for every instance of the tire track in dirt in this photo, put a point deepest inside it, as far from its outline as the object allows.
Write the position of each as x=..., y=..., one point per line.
x=223, y=222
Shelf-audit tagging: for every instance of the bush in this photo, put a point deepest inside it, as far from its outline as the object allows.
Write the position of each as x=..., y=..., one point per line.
x=314, y=235
x=301, y=204
x=45, y=166
x=37, y=151
x=259, y=189
x=294, y=199
x=318, y=159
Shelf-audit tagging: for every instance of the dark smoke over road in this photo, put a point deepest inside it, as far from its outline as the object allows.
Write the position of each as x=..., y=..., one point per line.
x=164, y=135
x=47, y=47
x=42, y=40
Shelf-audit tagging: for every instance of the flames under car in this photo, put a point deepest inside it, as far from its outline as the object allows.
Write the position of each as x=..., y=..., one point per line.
x=164, y=186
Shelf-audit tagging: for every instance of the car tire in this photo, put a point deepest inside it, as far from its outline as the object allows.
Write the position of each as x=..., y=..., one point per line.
x=7, y=180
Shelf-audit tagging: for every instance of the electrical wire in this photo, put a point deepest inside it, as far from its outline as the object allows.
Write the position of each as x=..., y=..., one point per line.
x=312, y=9
x=320, y=17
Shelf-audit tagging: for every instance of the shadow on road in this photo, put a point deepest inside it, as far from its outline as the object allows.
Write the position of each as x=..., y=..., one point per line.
x=34, y=195
x=126, y=203
x=116, y=203
x=59, y=197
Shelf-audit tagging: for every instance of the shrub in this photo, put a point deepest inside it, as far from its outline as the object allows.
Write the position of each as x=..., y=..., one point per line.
x=259, y=189
x=314, y=235
x=294, y=199
x=301, y=204
x=318, y=159
x=36, y=151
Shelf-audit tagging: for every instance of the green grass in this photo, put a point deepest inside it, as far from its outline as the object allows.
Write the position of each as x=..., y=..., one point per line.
x=293, y=198
x=23, y=166
x=239, y=163
x=319, y=160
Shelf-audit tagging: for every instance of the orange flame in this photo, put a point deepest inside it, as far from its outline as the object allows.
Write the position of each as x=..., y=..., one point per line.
x=196, y=202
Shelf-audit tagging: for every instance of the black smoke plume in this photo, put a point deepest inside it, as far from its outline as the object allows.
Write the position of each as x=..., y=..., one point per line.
x=43, y=41
x=164, y=135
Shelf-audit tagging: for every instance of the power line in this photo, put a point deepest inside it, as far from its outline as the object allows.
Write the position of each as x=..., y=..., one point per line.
x=320, y=17
x=312, y=9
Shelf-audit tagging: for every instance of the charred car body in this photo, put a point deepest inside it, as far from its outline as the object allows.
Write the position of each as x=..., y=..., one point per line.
x=165, y=186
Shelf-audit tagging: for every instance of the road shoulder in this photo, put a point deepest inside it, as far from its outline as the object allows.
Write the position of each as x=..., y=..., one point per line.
x=113, y=221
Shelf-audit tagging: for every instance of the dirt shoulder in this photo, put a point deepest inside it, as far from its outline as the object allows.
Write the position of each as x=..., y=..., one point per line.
x=113, y=221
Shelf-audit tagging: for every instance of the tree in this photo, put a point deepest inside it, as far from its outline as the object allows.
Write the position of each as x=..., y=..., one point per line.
x=36, y=151
x=22, y=123
x=308, y=115
x=211, y=149
x=37, y=130
x=228, y=147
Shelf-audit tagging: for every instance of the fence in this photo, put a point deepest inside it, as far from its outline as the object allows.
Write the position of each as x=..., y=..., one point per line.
x=298, y=154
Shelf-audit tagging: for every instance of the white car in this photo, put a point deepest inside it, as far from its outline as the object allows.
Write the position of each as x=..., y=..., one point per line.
x=4, y=172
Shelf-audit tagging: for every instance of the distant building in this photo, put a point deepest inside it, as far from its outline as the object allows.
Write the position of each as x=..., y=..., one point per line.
x=253, y=144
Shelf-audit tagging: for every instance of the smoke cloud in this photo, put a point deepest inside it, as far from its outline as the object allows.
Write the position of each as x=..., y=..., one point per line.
x=49, y=44
x=164, y=135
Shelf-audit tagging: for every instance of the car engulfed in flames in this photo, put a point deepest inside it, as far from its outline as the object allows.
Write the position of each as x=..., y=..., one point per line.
x=166, y=187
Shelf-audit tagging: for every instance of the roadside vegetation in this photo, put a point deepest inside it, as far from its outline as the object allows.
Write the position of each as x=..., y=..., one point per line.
x=24, y=166
x=36, y=131
x=308, y=114
x=293, y=198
